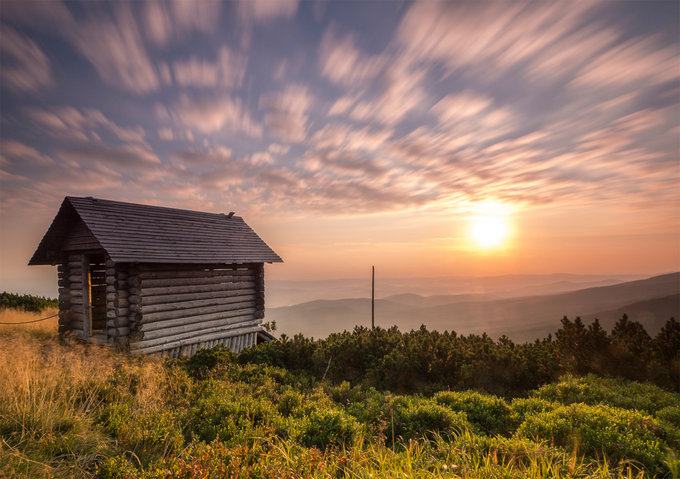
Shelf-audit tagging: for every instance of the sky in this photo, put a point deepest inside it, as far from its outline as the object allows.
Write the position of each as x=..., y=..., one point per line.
x=351, y=134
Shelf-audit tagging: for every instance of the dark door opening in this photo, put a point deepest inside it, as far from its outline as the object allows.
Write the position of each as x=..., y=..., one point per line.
x=96, y=276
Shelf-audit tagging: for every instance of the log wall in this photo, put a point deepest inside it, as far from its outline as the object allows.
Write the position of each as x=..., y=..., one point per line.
x=73, y=296
x=176, y=309
x=165, y=309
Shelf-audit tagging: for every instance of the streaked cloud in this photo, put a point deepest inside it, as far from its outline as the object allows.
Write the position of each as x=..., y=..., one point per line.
x=286, y=112
x=209, y=114
x=342, y=62
x=166, y=21
x=263, y=11
x=226, y=71
x=114, y=47
x=24, y=65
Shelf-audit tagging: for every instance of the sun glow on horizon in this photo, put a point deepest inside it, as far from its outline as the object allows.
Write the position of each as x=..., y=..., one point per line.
x=489, y=227
x=489, y=232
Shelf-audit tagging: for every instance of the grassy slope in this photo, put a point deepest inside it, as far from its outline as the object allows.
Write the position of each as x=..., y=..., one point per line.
x=73, y=410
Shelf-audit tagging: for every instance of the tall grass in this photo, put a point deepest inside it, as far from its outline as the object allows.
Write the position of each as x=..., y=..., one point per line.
x=51, y=396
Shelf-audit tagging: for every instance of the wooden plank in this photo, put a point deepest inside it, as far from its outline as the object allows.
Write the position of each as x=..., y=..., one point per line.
x=196, y=311
x=197, y=273
x=147, y=349
x=190, y=323
x=159, y=267
x=179, y=298
x=183, y=289
x=204, y=334
x=197, y=327
x=170, y=282
x=225, y=298
x=86, y=297
x=71, y=293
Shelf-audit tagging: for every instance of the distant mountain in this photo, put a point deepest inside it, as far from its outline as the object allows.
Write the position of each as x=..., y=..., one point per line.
x=653, y=313
x=411, y=299
x=290, y=292
x=522, y=319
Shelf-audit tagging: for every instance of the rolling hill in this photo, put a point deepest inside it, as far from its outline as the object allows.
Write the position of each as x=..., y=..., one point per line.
x=649, y=301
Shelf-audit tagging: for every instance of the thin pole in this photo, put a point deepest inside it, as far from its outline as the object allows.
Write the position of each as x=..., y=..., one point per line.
x=372, y=297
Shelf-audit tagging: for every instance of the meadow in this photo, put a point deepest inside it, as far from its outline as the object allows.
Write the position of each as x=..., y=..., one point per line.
x=302, y=408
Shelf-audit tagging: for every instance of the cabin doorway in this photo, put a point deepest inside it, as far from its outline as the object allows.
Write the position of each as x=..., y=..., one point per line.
x=96, y=281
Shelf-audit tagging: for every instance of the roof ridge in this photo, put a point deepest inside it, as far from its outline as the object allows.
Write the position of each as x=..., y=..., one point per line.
x=127, y=203
x=133, y=232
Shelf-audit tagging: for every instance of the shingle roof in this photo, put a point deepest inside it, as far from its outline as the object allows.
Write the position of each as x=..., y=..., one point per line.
x=152, y=234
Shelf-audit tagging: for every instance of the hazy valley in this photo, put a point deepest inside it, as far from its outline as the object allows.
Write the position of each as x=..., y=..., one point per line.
x=497, y=306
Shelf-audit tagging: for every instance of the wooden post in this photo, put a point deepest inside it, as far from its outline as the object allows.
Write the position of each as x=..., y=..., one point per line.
x=87, y=309
x=372, y=297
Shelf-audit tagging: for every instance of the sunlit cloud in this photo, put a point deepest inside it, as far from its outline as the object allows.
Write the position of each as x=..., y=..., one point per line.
x=286, y=112
x=209, y=114
x=24, y=65
x=226, y=71
x=172, y=19
x=342, y=62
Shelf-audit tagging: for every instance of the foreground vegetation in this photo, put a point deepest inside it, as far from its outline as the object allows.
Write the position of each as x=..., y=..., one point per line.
x=77, y=410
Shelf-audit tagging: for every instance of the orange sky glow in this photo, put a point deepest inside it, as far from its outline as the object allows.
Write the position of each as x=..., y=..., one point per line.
x=351, y=134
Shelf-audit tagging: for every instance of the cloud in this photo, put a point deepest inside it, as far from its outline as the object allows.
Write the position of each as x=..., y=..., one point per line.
x=474, y=116
x=166, y=134
x=227, y=71
x=286, y=112
x=344, y=137
x=19, y=151
x=82, y=124
x=401, y=94
x=168, y=20
x=115, y=48
x=264, y=11
x=24, y=65
x=342, y=105
x=121, y=159
x=209, y=115
x=343, y=63
x=487, y=37
x=638, y=61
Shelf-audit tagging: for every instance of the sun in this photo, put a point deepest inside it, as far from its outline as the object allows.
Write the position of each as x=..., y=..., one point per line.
x=489, y=230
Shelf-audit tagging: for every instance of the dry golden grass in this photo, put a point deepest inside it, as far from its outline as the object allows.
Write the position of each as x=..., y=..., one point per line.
x=50, y=393
x=19, y=316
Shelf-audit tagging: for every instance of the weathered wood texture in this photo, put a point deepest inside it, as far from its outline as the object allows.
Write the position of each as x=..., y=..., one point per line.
x=72, y=313
x=180, y=307
x=236, y=343
x=80, y=238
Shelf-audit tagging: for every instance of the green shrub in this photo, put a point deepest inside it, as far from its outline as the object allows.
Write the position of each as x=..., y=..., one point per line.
x=256, y=374
x=595, y=430
x=521, y=408
x=289, y=403
x=670, y=414
x=228, y=412
x=147, y=433
x=329, y=428
x=490, y=414
x=416, y=418
x=614, y=392
x=207, y=360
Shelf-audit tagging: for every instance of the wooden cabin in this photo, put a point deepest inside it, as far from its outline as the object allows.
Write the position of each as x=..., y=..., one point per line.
x=159, y=280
